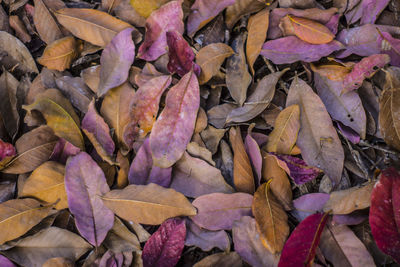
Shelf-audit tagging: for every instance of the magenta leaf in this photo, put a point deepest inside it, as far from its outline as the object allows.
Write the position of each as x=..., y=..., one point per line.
x=4, y=262
x=6, y=150
x=253, y=150
x=85, y=183
x=291, y=49
x=164, y=247
x=309, y=204
x=371, y=9
x=180, y=55
x=218, y=211
x=354, y=218
x=167, y=18
x=297, y=169
x=364, y=69
x=116, y=60
x=299, y=249
x=384, y=213
x=349, y=133
x=62, y=150
x=143, y=171
x=174, y=127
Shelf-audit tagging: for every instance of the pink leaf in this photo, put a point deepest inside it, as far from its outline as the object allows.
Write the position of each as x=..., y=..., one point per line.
x=4, y=262
x=164, y=247
x=371, y=9
x=63, y=150
x=384, y=213
x=6, y=150
x=299, y=249
x=253, y=150
x=309, y=204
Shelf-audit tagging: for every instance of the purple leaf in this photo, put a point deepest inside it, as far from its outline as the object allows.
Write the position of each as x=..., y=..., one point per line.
x=98, y=132
x=180, y=55
x=4, y=262
x=291, y=49
x=333, y=23
x=85, y=183
x=164, y=247
x=260, y=138
x=364, y=69
x=6, y=150
x=253, y=150
x=349, y=133
x=371, y=9
x=63, y=150
x=167, y=18
x=203, y=11
x=116, y=60
x=297, y=169
x=354, y=218
x=143, y=171
x=175, y=125
x=109, y=259
x=218, y=211
x=205, y=239
x=309, y=204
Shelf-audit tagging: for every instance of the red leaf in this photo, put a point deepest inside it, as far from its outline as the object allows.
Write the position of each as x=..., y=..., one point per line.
x=384, y=213
x=299, y=249
x=6, y=150
x=164, y=247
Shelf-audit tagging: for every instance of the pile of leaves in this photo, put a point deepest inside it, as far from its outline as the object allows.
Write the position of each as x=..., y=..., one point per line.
x=199, y=133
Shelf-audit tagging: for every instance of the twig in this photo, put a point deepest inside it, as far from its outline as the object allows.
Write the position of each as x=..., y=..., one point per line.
x=271, y=69
x=367, y=144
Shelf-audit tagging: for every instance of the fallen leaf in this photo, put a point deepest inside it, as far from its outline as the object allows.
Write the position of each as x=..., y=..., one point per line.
x=59, y=54
x=126, y=12
x=254, y=153
x=308, y=204
x=257, y=28
x=6, y=262
x=284, y=136
x=144, y=108
x=371, y=9
x=91, y=77
x=242, y=172
x=238, y=77
x=63, y=150
x=7, y=152
x=174, y=127
x=218, y=211
x=145, y=8
x=58, y=262
x=45, y=23
x=271, y=218
x=349, y=200
x=197, y=151
x=320, y=146
x=93, y=26
x=148, y=204
x=211, y=137
x=98, y=132
x=165, y=246
x=213, y=32
x=242, y=8
x=201, y=121
x=20, y=30
x=17, y=216
x=60, y=116
x=210, y=59
x=384, y=213
x=9, y=103
x=122, y=176
x=115, y=61
x=194, y=177
x=120, y=239
x=46, y=183
x=167, y=18
x=300, y=248
x=85, y=183
x=220, y=259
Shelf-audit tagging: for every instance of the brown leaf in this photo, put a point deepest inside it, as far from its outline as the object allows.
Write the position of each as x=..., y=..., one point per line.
x=20, y=31
x=257, y=28
x=59, y=54
x=242, y=8
x=45, y=23
x=4, y=25
x=8, y=103
x=122, y=178
x=217, y=115
x=127, y=13
x=231, y=259
x=58, y=262
x=271, y=219
x=91, y=76
x=211, y=137
x=109, y=5
x=145, y=8
x=242, y=170
x=76, y=91
x=201, y=121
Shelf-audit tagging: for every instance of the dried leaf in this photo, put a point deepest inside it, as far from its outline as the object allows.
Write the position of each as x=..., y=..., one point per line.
x=320, y=146
x=165, y=246
x=20, y=30
x=175, y=125
x=308, y=204
x=218, y=211
x=46, y=25
x=9, y=103
x=231, y=259
x=242, y=171
x=6, y=262
x=116, y=60
x=242, y=8
x=127, y=13
x=371, y=9
x=148, y=204
x=85, y=183
x=63, y=150
x=59, y=54
x=46, y=183
x=254, y=153
x=145, y=8
x=7, y=152
x=211, y=137
x=58, y=262
x=91, y=77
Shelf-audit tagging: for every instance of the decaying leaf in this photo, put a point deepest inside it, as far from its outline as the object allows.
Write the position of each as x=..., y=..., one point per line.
x=242, y=8
x=8, y=103
x=220, y=259
x=45, y=23
x=145, y=8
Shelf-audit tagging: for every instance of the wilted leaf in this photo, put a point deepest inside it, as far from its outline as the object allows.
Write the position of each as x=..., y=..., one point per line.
x=242, y=171
x=167, y=18
x=121, y=239
x=257, y=28
x=127, y=13
x=308, y=204
x=284, y=136
x=33, y=148
x=58, y=262
x=59, y=54
x=116, y=60
x=60, y=116
x=231, y=259
x=98, y=132
x=371, y=9
x=210, y=59
x=242, y=8
x=144, y=108
x=320, y=146
x=254, y=153
x=212, y=137
x=17, y=216
x=91, y=77
x=248, y=245
x=6, y=262
x=175, y=125
x=85, y=183
x=46, y=183
x=9, y=103
x=218, y=211
x=92, y=25
x=238, y=77
x=7, y=152
x=148, y=204
x=299, y=249
x=213, y=32
x=271, y=218
x=46, y=25
x=194, y=177
x=384, y=216
x=145, y=8
x=20, y=30
x=63, y=150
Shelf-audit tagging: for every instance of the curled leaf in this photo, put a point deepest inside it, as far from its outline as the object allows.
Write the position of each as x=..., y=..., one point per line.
x=59, y=54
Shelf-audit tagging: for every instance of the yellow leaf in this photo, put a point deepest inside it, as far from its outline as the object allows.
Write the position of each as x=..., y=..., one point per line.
x=59, y=54
x=145, y=8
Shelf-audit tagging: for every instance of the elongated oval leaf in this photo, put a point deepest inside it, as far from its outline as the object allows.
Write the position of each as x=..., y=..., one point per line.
x=9, y=103
x=145, y=8
x=59, y=54
x=46, y=25
x=148, y=204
